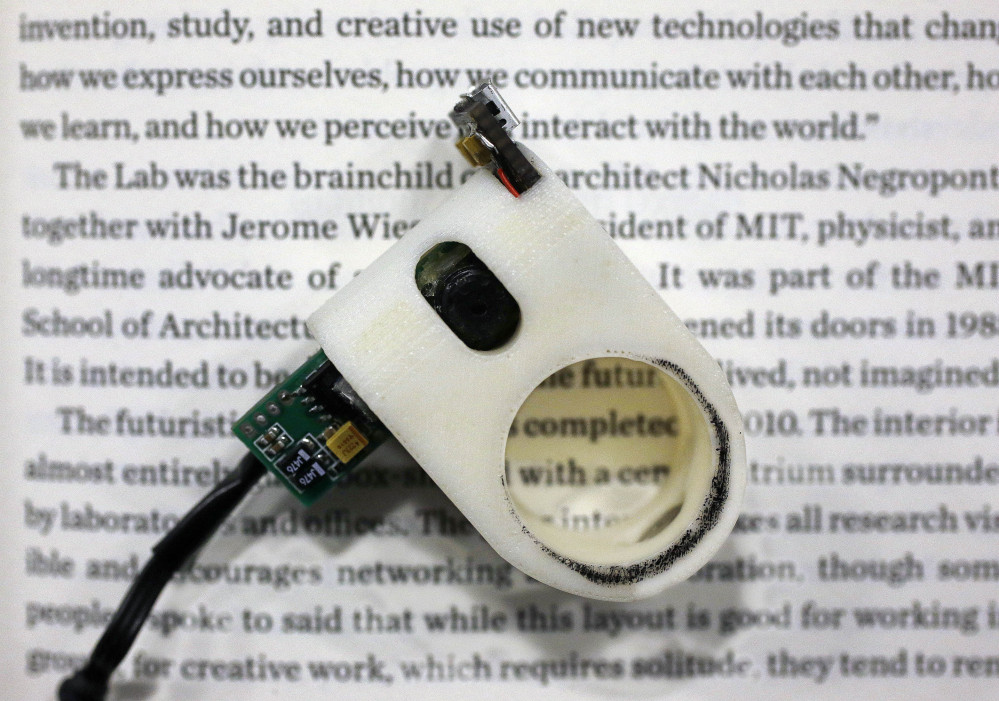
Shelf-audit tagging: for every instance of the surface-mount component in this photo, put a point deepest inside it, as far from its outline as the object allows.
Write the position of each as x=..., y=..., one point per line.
x=291, y=429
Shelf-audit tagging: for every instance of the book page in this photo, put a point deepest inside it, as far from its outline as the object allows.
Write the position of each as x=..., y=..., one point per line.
x=811, y=188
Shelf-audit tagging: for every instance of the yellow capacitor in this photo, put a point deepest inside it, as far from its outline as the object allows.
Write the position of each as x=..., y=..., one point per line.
x=346, y=442
x=474, y=151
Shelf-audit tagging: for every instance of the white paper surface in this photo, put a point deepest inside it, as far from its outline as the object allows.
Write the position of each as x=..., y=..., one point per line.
x=828, y=229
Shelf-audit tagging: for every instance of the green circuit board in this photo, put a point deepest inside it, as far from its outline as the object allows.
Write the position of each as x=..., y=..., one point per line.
x=312, y=429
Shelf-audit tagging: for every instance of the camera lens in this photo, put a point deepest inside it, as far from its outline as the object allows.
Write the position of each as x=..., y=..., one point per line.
x=476, y=306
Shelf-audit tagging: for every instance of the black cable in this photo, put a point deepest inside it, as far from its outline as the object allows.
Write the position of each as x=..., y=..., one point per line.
x=90, y=682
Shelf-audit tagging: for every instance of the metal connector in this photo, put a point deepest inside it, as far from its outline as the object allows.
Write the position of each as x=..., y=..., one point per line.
x=484, y=94
x=485, y=122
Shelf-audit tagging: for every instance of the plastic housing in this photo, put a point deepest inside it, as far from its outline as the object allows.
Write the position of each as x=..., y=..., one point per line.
x=451, y=407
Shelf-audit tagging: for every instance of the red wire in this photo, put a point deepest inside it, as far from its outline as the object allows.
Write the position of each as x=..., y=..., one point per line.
x=506, y=181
